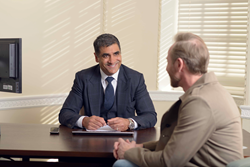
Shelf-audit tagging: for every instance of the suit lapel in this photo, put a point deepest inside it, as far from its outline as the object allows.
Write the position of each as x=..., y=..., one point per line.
x=95, y=91
x=122, y=92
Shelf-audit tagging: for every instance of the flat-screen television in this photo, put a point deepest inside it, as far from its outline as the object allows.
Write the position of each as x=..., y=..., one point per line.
x=11, y=65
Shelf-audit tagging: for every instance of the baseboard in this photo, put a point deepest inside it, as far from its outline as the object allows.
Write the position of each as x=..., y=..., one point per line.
x=32, y=101
x=58, y=99
x=245, y=111
x=165, y=95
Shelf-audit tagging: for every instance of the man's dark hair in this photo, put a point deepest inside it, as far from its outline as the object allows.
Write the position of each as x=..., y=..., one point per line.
x=105, y=40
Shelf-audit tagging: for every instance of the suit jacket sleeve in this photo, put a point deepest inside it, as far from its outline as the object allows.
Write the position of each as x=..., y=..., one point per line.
x=150, y=145
x=69, y=113
x=146, y=115
x=195, y=125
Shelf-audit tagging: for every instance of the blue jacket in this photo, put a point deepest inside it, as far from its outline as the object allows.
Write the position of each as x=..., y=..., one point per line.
x=131, y=96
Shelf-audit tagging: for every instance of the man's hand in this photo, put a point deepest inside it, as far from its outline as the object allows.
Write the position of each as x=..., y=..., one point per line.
x=93, y=122
x=118, y=123
x=121, y=147
x=116, y=145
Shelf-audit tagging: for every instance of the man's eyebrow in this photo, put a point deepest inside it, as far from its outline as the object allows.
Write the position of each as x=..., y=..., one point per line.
x=105, y=54
x=117, y=52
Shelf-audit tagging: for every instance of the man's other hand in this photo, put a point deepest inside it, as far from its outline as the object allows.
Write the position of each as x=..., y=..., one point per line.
x=120, y=124
x=93, y=122
x=116, y=145
x=121, y=147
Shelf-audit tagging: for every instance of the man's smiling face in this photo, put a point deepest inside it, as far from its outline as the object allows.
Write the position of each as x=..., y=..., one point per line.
x=109, y=59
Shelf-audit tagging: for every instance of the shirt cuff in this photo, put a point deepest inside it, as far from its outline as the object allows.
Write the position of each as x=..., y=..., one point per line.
x=79, y=122
x=136, y=125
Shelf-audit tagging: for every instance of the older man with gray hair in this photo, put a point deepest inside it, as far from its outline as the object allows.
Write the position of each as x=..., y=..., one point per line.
x=203, y=128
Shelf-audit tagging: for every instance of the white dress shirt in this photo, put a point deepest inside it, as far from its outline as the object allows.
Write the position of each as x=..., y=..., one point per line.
x=104, y=85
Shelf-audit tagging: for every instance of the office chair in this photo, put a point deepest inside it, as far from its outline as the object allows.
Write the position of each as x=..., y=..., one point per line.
x=240, y=163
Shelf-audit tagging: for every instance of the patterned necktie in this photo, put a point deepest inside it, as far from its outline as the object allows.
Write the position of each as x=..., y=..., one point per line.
x=109, y=94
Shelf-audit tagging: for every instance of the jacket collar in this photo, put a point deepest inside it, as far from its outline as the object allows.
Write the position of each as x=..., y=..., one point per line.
x=95, y=89
x=205, y=79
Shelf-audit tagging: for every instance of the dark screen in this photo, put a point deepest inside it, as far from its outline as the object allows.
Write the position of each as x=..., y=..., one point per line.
x=11, y=65
x=4, y=60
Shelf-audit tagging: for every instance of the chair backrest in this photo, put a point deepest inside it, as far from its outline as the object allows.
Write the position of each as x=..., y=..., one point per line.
x=240, y=163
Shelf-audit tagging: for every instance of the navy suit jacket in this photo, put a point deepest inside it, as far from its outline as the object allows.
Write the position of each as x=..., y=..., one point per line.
x=131, y=96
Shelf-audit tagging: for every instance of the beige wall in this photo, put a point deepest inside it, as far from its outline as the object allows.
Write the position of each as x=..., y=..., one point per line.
x=57, y=42
x=246, y=124
x=57, y=38
x=34, y=115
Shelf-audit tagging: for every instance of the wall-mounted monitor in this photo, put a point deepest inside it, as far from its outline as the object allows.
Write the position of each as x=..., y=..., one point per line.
x=11, y=65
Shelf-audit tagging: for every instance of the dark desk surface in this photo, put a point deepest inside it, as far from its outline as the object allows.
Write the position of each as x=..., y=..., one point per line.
x=35, y=141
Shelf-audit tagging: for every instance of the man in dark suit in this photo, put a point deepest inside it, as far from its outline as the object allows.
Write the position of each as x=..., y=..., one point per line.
x=109, y=92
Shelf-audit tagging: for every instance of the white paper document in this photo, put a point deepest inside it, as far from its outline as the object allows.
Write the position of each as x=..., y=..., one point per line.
x=105, y=128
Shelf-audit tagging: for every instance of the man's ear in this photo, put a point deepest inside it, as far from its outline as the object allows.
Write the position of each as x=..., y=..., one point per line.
x=96, y=58
x=179, y=64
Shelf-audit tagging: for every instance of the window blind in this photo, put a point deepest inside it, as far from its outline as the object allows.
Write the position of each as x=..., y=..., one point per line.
x=223, y=26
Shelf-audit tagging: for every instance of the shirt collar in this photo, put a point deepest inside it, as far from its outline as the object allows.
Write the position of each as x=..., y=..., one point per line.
x=104, y=76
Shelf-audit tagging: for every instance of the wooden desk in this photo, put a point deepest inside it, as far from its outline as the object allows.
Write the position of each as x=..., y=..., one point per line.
x=35, y=141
